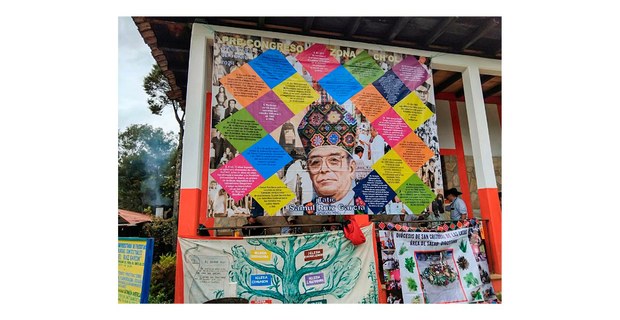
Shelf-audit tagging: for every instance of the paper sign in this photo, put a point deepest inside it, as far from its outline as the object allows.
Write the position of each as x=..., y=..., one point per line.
x=411, y=72
x=413, y=151
x=245, y=85
x=391, y=127
x=296, y=93
x=415, y=194
x=413, y=110
x=272, y=195
x=318, y=61
x=272, y=67
x=391, y=87
x=135, y=256
x=260, y=255
x=393, y=169
x=318, y=301
x=375, y=192
x=314, y=279
x=260, y=280
x=340, y=84
x=270, y=111
x=241, y=130
x=364, y=68
x=261, y=301
x=266, y=156
x=237, y=177
x=370, y=103
x=315, y=254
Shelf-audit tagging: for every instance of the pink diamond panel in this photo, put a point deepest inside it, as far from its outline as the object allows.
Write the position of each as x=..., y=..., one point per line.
x=391, y=127
x=238, y=177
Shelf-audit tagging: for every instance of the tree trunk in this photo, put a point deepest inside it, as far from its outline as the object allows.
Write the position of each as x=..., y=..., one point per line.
x=177, y=178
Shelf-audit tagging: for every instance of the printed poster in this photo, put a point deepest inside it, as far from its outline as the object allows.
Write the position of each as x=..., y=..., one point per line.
x=476, y=240
x=135, y=256
x=438, y=267
x=307, y=268
x=391, y=267
x=302, y=128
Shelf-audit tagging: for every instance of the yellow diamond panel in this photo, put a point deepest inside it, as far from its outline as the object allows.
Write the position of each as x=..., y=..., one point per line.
x=296, y=93
x=413, y=110
x=393, y=169
x=272, y=195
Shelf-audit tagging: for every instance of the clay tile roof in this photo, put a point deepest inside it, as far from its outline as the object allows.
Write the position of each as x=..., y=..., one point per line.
x=132, y=218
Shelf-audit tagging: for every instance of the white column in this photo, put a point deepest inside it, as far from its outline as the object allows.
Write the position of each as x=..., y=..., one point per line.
x=193, y=140
x=478, y=128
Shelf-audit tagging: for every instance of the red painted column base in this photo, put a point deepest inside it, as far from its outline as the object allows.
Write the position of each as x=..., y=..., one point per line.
x=491, y=210
x=189, y=206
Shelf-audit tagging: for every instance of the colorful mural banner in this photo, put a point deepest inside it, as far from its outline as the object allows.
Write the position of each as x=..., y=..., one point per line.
x=135, y=257
x=437, y=267
x=302, y=128
x=307, y=268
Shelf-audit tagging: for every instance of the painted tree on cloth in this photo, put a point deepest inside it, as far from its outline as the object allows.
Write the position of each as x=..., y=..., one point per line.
x=341, y=267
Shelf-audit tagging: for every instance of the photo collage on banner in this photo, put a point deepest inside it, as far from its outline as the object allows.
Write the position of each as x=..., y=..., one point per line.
x=476, y=239
x=436, y=267
x=390, y=267
x=323, y=267
x=303, y=128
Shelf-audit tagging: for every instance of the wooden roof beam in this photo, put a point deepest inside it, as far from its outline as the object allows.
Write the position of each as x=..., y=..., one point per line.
x=439, y=29
x=397, y=28
x=479, y=33
x=485, y=78
x=492, y=90
x=170, y=49
x=308, y=24
x=353, y=27
x=448, y=82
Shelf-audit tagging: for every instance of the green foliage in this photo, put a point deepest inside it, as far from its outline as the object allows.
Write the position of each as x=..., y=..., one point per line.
x=409, y=264
x=169, y=179
x=471, y=280
x=145, y=158
x=164, y=233
x=402, y=250
x=162, y=280
x=156, y=85
x=463, y=246
x=412, y=284
x=476, y=295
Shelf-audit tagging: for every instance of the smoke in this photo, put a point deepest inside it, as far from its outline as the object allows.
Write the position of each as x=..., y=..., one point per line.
x=156, y=160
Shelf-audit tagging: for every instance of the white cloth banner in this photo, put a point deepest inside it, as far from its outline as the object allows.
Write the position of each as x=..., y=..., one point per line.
x=307, y=268
x=437, y=267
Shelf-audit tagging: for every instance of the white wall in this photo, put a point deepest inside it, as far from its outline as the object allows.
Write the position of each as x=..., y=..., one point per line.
x=495, y=132
x=444, y=125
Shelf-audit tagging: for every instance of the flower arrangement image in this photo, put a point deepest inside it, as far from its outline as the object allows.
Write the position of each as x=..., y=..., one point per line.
x=439, y=273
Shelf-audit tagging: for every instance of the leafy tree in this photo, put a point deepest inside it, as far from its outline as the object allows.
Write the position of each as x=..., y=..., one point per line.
x=162, y=280
x=157, y=88
x=143, y=154
x=164, y=232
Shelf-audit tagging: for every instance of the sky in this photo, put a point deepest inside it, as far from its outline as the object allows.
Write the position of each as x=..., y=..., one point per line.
x=134, y=63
